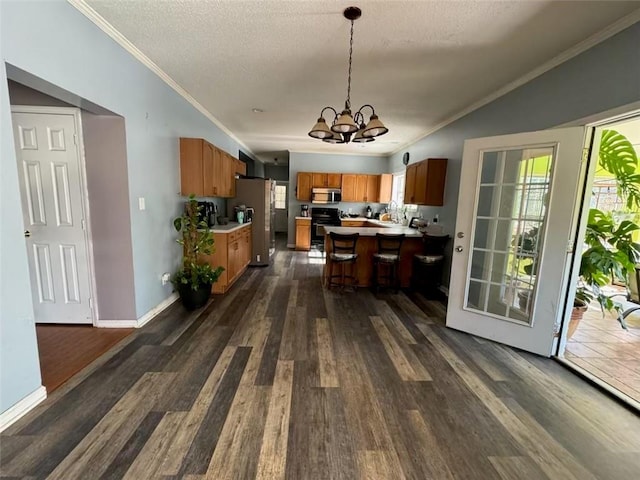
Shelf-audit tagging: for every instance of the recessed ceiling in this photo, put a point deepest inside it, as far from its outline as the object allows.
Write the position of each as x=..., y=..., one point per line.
x=418, y=62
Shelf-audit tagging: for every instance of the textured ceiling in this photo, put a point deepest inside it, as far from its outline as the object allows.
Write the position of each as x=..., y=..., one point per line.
x=417, y=62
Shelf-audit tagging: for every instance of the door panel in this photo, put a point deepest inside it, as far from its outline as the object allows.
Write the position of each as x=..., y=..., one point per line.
x=515, y=212
x=52, y=206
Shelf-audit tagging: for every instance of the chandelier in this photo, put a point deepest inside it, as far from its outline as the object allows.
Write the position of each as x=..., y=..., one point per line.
x=344, y=125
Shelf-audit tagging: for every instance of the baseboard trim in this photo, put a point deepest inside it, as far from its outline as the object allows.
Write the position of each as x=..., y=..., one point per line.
x=20, y=409
x=291, y=245
x=143, y=320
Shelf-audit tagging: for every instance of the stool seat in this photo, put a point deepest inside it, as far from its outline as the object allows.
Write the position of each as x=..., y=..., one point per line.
x=386, y=257
x=429, y=258
x=343, y=257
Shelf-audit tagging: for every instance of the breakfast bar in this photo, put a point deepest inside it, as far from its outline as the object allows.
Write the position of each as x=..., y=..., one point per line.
x=367, y=245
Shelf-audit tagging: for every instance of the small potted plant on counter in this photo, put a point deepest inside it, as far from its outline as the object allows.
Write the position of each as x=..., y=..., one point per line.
x=195, y=277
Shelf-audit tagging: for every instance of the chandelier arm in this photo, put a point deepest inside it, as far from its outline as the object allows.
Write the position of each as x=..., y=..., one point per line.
x=335, y=112
x=373, y=110
x=358, y=118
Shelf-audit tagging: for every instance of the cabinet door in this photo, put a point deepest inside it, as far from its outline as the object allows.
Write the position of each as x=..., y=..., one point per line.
x=229, y=176
x=410, y=184
x=349, y=188
x=373, y=188
x=247, y=247
x=208, y=168
x=334, y=180
x=241, y=167
x=191, y=166
x=386, y=182
x=361, y=187
x=218, y=173
x=303, y=191
x=436, y=178
x=420, y=188
x=318, y=180
x=303, y=234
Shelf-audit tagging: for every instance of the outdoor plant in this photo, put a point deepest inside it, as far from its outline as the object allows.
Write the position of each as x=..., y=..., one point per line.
x=196, y=240
x=611, y=250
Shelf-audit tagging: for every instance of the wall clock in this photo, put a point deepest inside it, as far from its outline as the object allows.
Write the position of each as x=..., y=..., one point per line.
x=405, y=158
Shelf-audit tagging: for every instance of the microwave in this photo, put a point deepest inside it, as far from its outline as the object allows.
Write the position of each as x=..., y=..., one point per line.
x=326, y=195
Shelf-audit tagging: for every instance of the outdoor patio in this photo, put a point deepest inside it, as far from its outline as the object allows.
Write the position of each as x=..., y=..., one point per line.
x=603, y=348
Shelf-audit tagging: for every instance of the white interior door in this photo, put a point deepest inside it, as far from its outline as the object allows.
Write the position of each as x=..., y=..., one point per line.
x=514, y=231
x=52, y=208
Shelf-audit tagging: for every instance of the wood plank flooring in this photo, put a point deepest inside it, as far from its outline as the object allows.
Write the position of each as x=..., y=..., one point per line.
x=282, y=379
x=64, y=350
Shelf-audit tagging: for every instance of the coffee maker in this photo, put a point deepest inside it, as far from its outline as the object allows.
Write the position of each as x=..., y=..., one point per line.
x=304, y=210
x=207, y=213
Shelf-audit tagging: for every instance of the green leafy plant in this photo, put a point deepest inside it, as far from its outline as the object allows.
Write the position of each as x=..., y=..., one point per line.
x=196, y=240
x=611, y=250
x=528, y=248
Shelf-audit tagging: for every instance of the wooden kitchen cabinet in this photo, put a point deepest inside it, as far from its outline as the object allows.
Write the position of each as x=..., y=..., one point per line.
x=326, y=180
x=303, y=188
x=349, y=187
x=425, y=181
x=241, y=167
x=233, y=253
x=372, y=194
x=386, y=183
x=205, y=170
x=303, y=233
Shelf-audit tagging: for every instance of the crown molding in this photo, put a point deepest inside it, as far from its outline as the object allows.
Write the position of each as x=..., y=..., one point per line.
x=568, y=54
x=121, y=40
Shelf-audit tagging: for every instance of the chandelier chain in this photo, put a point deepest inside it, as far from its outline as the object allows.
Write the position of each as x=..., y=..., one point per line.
x=348, y=102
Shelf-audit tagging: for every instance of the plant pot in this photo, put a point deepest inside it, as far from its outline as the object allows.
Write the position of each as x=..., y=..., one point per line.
x=576, y=315
x=524, y=300
x=194, y=299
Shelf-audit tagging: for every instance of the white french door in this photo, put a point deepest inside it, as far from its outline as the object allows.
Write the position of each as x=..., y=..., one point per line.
x=513, y=238
x=51, y=185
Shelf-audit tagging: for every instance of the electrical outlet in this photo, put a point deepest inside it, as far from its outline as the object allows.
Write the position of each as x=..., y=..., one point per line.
x=258, y=258
x=141, y=203
x=165, y=278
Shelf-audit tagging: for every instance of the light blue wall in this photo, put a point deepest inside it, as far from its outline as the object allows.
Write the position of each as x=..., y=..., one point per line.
x=53, y=41
x=19, y=368
x=604, y=77
x=319, y=162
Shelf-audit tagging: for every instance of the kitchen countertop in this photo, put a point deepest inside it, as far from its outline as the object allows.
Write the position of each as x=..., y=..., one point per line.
x=229, y=227
x=303, y=218
x=371, y=231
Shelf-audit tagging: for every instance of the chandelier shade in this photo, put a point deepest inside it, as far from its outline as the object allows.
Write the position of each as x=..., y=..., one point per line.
x=344, y=125
x=321, y=130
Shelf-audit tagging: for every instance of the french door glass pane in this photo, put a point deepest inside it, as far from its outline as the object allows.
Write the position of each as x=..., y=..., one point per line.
x=508, y=231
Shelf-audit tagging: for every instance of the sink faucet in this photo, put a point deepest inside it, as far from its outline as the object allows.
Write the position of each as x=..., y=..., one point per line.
x=393, y=210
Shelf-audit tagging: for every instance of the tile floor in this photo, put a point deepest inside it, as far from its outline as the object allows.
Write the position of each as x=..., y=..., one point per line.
x=604, y=349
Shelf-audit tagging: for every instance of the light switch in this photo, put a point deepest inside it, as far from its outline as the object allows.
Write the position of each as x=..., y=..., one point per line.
x=141, y=204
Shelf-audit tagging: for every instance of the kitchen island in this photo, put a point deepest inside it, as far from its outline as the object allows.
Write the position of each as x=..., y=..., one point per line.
x=368, y=245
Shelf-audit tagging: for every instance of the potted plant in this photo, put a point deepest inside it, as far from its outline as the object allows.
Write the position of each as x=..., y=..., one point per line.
x=611, y=250
x=527, y=251
x=195, y=277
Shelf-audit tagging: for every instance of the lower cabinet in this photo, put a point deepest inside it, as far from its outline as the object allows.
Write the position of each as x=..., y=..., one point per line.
x=233, y=253
x=303, y=233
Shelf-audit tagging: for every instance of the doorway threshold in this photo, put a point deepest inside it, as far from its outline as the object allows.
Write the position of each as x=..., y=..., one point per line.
x=621, y=397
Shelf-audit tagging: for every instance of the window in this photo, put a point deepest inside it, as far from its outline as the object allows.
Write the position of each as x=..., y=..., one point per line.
x=397, y=192
x=281, y=197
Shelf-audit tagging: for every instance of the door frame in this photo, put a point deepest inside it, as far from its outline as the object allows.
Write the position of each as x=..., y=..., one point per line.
x=581, y=214
x=79, y=145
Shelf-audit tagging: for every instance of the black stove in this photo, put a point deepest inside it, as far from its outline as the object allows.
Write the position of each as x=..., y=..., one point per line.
x=321, y=217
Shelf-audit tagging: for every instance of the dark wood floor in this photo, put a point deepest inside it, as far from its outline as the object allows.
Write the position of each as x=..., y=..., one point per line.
x=282, y=379
x=64, y=350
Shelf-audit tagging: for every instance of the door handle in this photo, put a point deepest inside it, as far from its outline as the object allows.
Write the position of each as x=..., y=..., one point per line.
x=27, y=233
x=460, y=235
x=459, y=249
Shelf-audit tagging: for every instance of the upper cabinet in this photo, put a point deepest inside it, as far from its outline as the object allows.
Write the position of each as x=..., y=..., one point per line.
x=386, y=183
x=205, y=170
x=424, y=182
x=360, y=188
x=326, y=180
x=303, y=189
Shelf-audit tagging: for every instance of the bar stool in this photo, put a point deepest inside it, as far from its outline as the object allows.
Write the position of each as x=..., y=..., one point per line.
x=343, y=253
x=426, y=274
x=387, y=256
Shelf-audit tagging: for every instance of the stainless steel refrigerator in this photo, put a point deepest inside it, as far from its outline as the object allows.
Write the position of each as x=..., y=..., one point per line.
x=259, y=194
